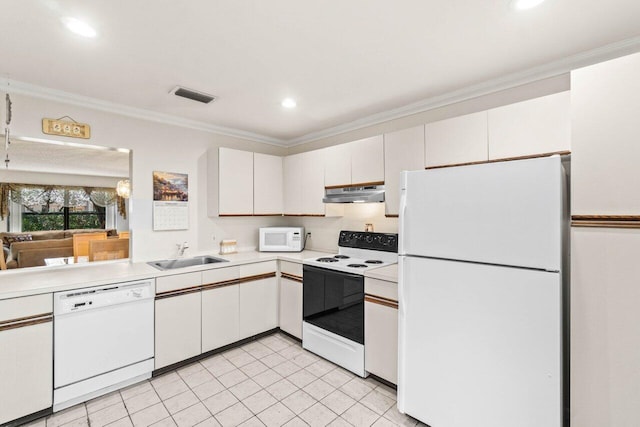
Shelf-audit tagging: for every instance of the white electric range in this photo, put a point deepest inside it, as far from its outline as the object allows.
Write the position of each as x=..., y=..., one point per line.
x=333, y=296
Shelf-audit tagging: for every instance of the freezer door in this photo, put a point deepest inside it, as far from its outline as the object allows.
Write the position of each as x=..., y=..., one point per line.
x=479, y=345
x=507, y=213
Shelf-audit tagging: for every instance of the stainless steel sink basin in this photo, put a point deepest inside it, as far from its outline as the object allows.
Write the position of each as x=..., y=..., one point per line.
x=170, y=264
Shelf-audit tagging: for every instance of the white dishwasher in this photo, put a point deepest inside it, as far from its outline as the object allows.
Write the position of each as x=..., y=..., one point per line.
x=103, y=340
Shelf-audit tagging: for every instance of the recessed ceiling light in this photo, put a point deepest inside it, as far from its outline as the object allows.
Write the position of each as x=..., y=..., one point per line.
x=78, y=27
x=525, y=4
x=289, y=103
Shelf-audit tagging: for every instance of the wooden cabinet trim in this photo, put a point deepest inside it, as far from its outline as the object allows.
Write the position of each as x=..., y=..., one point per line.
x=316, y=215
x=179, y=292
x=362, y=184
x=25, y=321
x=391, y=215
x=606, y=221
x=506, y=159
x=237, y=281
x=247, y=214
x=292, y=277
x=381, y=301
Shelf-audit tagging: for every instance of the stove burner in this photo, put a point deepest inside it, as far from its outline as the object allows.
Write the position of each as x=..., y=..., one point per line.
x=373, y=261
x=341, y=257
x=357, y=265
x=327, y=260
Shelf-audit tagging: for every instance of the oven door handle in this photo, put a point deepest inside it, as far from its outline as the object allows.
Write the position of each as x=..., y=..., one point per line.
x=330, y=271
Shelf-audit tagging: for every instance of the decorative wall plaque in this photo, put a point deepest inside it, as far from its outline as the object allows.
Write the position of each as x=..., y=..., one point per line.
x=66, y=128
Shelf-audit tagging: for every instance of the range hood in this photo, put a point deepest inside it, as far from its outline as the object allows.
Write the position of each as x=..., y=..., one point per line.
x=355, y=194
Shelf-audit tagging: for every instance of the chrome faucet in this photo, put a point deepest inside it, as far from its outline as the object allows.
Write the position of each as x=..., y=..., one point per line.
x=182, y=247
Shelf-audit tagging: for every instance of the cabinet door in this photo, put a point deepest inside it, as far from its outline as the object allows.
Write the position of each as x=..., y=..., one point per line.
x=292, y=166
x=267, y=184
x=312, y=182
x=235, y=186
x=457, y=140
x=220, y=317
x=605, y=106
x=367, y=160
x=403, y=151
x=535, y=126
x=26, y=370
x=337, y=169
x=291, y=306
x=605, y=326
x=178, y=328
x=258, y=306
x=381, y=339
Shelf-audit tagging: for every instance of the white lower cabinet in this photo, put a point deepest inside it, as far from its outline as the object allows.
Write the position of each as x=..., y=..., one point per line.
x=26, y=354
x=381, y=329
x=220, y=317
x=291, y=298
x=605, y=327
x=258, y=298
x=178, y=328
x=258, y=306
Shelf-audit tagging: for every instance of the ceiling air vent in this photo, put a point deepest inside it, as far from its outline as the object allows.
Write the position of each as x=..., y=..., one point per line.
x=194, y=95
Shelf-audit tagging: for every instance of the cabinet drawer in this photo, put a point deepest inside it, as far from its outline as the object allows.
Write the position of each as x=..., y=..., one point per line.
x=220, y=275
x=179, y=281
x=381, y=288
x=292, y=268
x=249, y=270
x=18, y=308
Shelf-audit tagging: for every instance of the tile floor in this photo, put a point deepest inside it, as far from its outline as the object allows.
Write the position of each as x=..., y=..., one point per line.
x=271, y=382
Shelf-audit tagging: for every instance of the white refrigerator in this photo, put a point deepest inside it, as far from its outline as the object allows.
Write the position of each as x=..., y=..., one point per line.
x=481, y=257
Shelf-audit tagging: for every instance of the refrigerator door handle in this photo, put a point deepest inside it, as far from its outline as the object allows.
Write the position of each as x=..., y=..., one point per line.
x=401, y=212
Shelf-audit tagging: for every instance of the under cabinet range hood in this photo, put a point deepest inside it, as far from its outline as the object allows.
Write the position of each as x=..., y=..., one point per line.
x=355, y=194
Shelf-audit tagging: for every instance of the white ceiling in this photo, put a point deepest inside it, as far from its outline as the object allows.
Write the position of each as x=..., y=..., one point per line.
x=341, y=60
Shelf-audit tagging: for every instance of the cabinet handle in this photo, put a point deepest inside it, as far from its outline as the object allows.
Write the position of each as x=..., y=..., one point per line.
x=22, y=322
x=606, y=221
x=292, y=277
x=177, y=293
x=381, y=301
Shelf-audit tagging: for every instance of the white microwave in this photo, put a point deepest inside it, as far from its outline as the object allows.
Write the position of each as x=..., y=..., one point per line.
x=281, y=239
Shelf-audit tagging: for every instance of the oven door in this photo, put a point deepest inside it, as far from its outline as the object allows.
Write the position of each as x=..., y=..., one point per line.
x=334, y=301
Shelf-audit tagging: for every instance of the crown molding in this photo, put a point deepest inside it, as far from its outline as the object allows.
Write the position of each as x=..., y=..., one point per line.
x=41, y=92
x=552, y=69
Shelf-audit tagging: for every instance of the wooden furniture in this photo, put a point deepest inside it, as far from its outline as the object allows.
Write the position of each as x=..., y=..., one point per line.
x=461, y=139
x=357, y=162
x=381, y=328
x=106, y=249
x=267, y=184
x=3, y=264
x=403, y=151
x=124, y=235
x=291, y=298
x=235, y=185
x=81, y=243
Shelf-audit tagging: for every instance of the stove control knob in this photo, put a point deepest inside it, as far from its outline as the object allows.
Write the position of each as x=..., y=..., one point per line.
x=369, y=238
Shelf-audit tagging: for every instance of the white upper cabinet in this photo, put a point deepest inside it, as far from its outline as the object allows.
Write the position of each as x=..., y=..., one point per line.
x=605, y=121
x=535, y=126
x=267, y=184
x=403, y=151
x=312, y=182
x=337, y=169
x=292, y=184
x=356, y=162
x=457, y=140
x=235, y=189
x=367, y=160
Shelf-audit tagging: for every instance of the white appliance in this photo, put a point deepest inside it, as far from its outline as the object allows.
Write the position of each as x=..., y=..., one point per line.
x=282, y=239
x=103, y=340
x=333, y=296
x=481, y=293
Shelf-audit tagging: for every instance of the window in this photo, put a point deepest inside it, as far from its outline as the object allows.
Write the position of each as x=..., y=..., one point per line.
x=34, y=207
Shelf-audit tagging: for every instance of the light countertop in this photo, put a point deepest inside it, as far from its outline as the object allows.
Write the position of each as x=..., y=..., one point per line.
x=388, y=273
x=40, y=280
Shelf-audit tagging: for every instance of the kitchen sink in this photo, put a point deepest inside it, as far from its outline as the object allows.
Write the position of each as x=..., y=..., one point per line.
x=170, y=264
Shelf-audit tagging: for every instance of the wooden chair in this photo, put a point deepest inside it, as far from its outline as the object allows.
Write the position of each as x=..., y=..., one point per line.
x=3, y=264
x=81, y=243
x=123, y=235
x=102, y=250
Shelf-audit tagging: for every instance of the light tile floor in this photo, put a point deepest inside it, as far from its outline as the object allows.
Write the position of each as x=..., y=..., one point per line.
x=271, y=381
